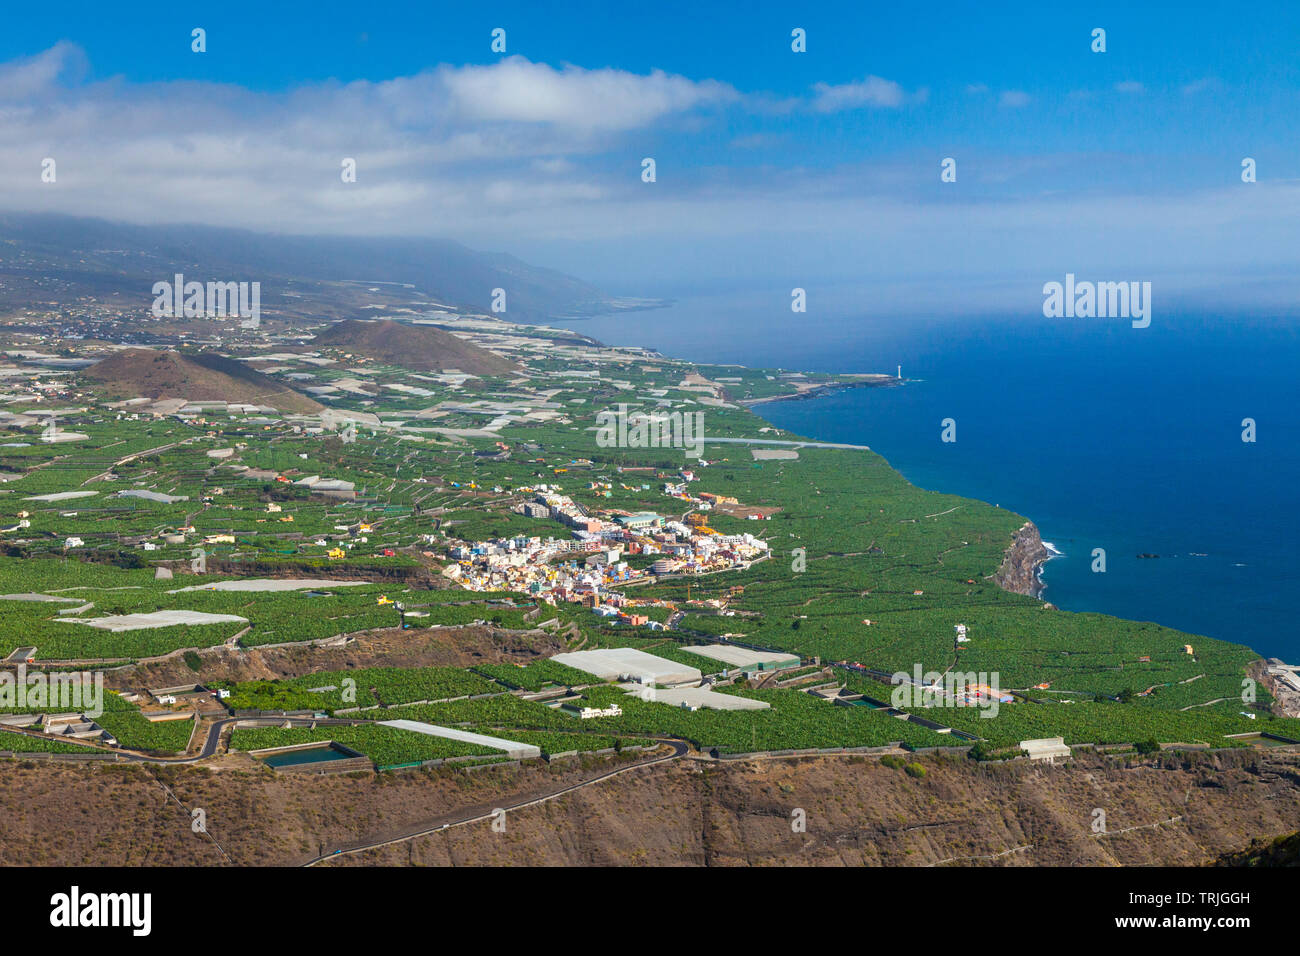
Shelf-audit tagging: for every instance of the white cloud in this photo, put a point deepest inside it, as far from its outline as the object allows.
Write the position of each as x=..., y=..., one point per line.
x=516, y=90
x=872, y=91
x=553, y=165
x=447, y=145
x=35, y=75
x=1130, y=86
x=545, y=162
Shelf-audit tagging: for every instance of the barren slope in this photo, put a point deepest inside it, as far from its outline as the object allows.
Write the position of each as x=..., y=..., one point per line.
x=1182, y=809
x=200, y=377
x=421, y=348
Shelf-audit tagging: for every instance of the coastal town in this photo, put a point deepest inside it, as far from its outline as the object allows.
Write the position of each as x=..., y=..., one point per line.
x=591, y=567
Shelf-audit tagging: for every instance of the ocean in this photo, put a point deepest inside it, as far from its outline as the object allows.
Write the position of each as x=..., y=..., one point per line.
x=1105, y=436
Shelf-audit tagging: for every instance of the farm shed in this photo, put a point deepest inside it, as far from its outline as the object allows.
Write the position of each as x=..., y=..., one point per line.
x=1045, y=749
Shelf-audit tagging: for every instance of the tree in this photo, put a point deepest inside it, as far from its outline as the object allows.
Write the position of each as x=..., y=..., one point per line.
x=981, y=751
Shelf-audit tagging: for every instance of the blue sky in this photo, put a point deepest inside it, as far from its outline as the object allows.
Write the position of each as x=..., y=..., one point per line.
x=818, y=166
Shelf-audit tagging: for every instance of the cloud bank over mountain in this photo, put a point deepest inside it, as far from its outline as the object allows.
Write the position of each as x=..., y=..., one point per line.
x=544, y=161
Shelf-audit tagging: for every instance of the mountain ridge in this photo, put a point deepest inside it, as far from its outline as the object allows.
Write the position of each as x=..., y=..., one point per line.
x=99, y=257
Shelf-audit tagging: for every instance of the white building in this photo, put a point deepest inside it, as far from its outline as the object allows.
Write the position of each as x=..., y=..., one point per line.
x=587, y=713
x=1045, y=749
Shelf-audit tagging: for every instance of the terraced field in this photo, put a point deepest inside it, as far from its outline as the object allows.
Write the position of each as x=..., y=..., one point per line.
x=865, y=568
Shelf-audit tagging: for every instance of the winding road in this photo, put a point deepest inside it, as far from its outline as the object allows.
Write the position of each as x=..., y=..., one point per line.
x=209, y=746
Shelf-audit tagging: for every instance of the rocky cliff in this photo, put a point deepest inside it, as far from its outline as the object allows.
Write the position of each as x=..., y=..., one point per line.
x=1022, y=562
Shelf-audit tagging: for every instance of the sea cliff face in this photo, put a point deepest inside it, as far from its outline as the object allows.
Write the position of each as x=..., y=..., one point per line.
x=1021, y=562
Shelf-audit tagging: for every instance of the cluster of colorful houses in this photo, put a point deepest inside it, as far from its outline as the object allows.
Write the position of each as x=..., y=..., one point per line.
x=591, y=566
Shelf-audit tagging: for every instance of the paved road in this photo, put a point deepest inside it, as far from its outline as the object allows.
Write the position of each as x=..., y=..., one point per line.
x=214, y=734
x=463, y=817
x=209, y=746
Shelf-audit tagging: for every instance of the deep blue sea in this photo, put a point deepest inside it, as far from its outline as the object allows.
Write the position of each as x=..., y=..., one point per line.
x=1104, y=435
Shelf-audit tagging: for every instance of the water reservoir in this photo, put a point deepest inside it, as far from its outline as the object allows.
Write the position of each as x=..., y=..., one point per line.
x=306, y=755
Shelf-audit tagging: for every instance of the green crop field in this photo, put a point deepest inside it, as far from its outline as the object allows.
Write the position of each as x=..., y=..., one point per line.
x=386, y=746
x=863, y=568
x=368, y=687
x=21, y=743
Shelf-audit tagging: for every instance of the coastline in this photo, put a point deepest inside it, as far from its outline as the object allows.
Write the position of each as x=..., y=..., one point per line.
x=805, y=390
x=1022, y=563
x=1024, y=559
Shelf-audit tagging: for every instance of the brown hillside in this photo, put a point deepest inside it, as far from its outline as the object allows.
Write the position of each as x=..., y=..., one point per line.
x=1173, y=809
x=199, y=378
x=421, y=348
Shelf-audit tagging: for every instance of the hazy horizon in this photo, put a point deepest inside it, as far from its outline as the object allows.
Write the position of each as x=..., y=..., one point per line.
x=799, y=168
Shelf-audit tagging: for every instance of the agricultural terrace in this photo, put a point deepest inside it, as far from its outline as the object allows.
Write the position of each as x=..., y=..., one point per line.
x=888, y=569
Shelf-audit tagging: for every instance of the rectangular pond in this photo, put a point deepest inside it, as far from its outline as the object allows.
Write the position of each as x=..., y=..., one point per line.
x=299, y=756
